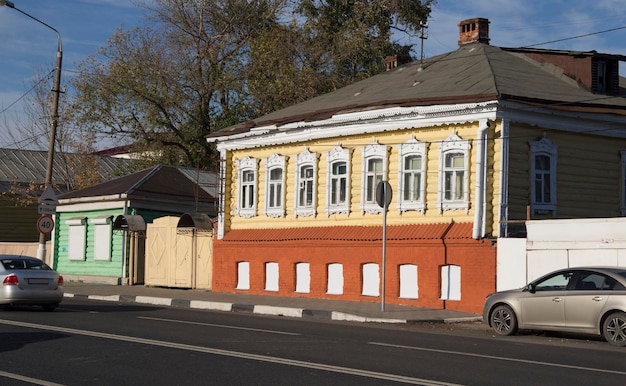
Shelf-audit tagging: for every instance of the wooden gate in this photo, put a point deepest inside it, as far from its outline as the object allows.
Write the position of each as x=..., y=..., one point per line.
x=178, y=257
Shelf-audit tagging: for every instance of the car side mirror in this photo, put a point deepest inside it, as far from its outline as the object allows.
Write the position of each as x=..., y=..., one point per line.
x=531, y=288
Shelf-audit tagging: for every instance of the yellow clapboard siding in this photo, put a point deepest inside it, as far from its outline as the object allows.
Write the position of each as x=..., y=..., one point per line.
x=432, y=136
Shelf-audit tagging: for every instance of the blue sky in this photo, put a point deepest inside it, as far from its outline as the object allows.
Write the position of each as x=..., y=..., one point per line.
x=27, y=47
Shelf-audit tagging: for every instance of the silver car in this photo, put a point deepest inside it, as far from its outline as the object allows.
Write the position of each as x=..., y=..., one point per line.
x=588, y=300
x=27, y=280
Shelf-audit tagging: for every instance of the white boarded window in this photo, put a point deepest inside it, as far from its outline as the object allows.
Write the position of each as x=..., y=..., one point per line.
x=77, y=238
x=271, y=276
x=303, y=278
x=243, y=275
x=408, y=281
x=102, y=233
x=371, y=280
x=335, y=279
x=451, y=282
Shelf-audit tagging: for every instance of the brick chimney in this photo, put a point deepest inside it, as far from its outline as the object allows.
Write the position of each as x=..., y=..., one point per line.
x=474, y=30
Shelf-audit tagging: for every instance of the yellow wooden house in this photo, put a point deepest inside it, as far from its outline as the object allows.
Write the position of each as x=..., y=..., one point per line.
x=472, y=142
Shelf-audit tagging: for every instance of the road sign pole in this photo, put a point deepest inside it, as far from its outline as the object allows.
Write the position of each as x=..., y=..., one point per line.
x=382, y=304
x=383, y=199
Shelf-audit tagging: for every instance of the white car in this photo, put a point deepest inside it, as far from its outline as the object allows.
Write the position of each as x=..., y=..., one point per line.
x=28, y=280
x=587, y=300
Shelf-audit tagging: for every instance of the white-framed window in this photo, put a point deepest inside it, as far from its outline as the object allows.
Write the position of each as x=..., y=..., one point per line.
x=275, y=186
x=306, y=180
x=338, y=181
x=77, y=237
x=451, y=282
x=623, y=182
x=374, y=171
x=411, y=175
x=454, y=173
x=247, y=174
x=102, y=235
x=543, y=155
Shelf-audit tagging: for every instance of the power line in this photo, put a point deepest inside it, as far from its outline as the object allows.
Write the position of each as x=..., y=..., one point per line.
x=576, y=37
x=46, y=77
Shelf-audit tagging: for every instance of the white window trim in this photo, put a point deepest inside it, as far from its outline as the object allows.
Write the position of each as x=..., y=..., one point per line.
x=453, y=144
x=412, y=147
x=543, y=147
x=338, y=154
x=275, y=161
x=243, y=165
x=306, y=158
x=102, y=237
x=77, y=238
x=372, y=151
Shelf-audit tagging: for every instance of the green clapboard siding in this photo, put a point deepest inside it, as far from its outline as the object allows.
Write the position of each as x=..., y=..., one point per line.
x=90, y=266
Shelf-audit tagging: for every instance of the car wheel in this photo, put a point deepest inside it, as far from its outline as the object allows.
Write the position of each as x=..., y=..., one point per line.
x=614, y=329
x=503, y=320
x=49, y=307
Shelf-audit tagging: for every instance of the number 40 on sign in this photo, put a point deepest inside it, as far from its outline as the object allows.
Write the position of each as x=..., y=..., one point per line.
x=45, y=224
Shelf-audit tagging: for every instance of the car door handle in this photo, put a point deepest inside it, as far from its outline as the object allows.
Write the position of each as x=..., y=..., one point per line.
x=597, y=298
x=557, y=300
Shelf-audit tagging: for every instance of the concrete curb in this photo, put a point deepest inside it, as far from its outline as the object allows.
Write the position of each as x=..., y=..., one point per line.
x=292, y=312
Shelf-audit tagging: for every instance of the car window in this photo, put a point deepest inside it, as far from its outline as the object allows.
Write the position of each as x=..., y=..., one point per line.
x=558, y=282
x=25, y=264
x=594, y=281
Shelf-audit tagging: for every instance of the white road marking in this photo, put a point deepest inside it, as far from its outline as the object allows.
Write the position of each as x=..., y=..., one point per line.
x=501, y=358
x=22, y=378
x=234, y=354
x=217, y=325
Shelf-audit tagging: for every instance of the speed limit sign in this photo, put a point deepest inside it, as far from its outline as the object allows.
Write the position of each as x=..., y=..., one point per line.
x=45, y=224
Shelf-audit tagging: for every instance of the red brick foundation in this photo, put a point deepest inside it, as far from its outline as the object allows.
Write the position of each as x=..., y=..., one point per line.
x=476, y=258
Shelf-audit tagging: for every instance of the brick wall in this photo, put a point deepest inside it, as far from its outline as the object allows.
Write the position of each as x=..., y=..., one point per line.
x=477, y=260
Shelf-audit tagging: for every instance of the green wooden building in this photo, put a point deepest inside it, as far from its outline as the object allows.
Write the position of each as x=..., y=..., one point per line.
x=100, y=231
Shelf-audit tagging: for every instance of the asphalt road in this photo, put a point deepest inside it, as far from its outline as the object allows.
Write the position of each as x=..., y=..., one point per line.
x=89, y=342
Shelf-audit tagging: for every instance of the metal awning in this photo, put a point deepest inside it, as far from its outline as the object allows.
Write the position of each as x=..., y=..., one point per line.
x=200, y=221
x=133, y=223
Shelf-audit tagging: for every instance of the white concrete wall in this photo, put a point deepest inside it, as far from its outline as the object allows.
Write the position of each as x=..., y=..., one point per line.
x=555, y=244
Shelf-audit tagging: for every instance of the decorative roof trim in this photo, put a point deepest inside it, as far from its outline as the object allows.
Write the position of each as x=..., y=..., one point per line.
x=377, y=121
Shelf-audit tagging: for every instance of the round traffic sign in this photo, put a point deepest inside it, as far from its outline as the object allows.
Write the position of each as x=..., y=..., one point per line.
x=383, y=194
x=45, y=224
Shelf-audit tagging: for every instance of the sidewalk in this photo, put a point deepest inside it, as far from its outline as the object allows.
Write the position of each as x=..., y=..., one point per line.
x=266, y=305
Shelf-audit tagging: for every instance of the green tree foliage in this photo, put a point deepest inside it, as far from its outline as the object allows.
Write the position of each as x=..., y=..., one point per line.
x=351, y=38
x=202, y=65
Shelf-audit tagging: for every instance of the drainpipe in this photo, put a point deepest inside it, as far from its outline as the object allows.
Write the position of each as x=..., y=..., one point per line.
x=221, y=194
x=445, y=254
x=504, y=180
x=124, y=246
x=480, y=206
